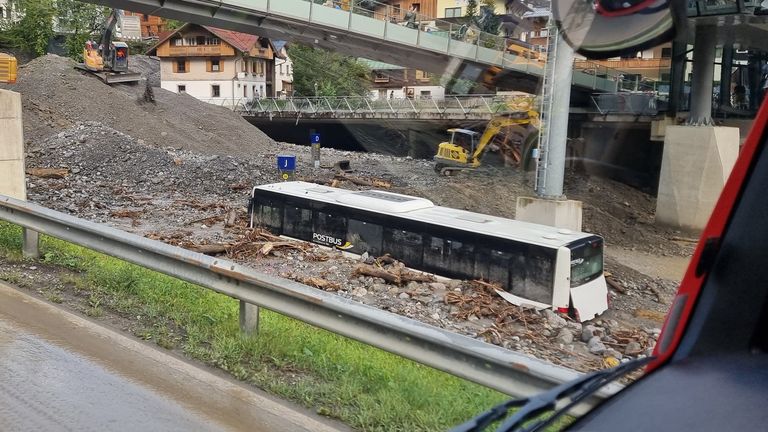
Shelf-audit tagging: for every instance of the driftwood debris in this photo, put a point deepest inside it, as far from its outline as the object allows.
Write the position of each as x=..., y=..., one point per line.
x=394, y=273
x=231, y=218
x=53, y=173
x=210, y=249
x=615, y=285
x=684, y=239
x=358, y=181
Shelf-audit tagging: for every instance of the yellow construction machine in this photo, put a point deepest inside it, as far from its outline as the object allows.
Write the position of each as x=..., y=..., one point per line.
x=8, y=68
x=465, y=150
x=108, y=59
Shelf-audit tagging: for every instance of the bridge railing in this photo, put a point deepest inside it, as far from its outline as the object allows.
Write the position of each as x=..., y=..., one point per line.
x=401, y=15
x=344, y=106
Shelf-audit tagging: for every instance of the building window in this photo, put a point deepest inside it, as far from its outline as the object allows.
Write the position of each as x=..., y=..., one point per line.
x=215, y=65
x=422, y=76
x=181, y=66
x=258, y=67
x=453, y=12
x=245, y=91
x=215, y=90
x=181, y=88
x=146, y=17
x=178, y=42
x=253, y=88
x=425, y=94
x=380, y=77
x=666, y=53
x=190, y=41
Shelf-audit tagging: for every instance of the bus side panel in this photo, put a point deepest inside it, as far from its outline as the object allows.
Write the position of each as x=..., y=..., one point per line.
x=329, y=228
x=532, y=273
x=365, y=237
x=297, y=221
x=405, y=246
x=494, y=266
x=267, y=213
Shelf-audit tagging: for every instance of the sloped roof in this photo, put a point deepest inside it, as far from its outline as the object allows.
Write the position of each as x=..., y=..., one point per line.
x=240, y=41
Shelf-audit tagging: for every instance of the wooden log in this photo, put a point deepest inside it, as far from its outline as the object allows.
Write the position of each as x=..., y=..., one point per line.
x=54, y=173
x=367, y=270
x=684, y=239
x=210, y=249
x=231, y=218
x=409, y=276
x=615, y=285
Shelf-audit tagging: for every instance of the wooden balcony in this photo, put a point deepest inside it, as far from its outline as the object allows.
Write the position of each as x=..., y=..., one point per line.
x=627, y=64
x=197, y=51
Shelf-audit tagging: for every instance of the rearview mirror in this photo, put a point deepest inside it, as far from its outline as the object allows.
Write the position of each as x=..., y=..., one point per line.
x=609, y=28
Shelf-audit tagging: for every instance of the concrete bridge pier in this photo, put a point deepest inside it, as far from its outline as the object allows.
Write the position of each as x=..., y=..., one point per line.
x=699, y=156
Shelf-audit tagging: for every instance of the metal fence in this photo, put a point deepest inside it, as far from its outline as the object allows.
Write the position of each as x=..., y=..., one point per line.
x=459, y=107
x=464, y=357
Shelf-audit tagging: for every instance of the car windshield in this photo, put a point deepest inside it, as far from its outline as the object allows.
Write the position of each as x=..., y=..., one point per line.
x=459, y=186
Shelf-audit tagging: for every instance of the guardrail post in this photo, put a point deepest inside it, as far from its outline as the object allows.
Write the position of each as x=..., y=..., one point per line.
x=30, y=243
x=249, y=318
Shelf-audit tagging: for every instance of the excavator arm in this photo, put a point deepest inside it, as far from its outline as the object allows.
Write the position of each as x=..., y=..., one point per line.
x=498, y=123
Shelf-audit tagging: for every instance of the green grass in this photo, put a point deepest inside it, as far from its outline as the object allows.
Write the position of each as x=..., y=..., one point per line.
x=337, y=377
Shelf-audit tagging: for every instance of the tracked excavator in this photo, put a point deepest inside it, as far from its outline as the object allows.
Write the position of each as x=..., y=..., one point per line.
x=466, y=148
x=108, y=59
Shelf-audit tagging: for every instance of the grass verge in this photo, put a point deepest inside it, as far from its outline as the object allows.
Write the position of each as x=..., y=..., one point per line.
x=364, y=387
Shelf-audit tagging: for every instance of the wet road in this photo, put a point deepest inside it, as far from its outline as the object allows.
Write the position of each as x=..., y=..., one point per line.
x=59, y=372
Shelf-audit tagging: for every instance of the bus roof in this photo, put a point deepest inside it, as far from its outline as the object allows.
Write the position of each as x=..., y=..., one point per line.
x=423, y=210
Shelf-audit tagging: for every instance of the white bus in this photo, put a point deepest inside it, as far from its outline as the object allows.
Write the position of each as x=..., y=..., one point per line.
x=539, y=265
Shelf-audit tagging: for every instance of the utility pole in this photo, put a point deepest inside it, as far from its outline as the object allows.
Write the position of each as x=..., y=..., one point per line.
x=555, y=103
x=549, y=206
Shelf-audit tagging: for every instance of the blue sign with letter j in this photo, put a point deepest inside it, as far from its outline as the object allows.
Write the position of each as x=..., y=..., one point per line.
x=286, y=163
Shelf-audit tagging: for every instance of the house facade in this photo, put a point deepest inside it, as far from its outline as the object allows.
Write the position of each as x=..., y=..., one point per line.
x=151, y=26
x=218, y=66
x=396, y=82
x=283, y=70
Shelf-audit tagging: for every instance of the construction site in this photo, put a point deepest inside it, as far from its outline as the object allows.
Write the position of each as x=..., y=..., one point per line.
x=172, y=168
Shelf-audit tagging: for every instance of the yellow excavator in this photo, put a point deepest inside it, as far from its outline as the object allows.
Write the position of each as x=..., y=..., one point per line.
x=108, y=59
x=465, y=150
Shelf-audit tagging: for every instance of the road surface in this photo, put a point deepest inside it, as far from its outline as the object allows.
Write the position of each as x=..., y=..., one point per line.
x=60, y=372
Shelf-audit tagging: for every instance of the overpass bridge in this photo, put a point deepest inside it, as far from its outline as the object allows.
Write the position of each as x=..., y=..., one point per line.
x=377, y=31
x=450, y=108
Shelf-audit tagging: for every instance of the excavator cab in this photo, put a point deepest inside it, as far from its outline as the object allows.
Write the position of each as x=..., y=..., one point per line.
x=458, y=152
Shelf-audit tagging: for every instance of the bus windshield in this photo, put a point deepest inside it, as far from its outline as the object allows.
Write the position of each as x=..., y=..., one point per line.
x=586, y=261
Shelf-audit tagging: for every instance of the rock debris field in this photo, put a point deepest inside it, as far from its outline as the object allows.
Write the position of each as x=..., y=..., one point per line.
x=180, y=171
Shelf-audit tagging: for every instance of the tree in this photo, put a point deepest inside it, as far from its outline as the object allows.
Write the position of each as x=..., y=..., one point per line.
x=489, y=22
x=81, y=21
x=471, y=11
x=35, y=28
x=323, y=73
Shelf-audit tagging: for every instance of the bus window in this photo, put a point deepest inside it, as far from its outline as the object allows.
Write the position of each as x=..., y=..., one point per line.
x=297, y=222
x=498, y=267
x=461, y=258
x=434, y=254
x=586, y=262
x=329, y=229
x=532, y=275
x=364, y=237
x=269, y=216
x=404, y=246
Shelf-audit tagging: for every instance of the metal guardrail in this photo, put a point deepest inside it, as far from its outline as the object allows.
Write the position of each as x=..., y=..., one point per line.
x=500, y=369
x=449, y=107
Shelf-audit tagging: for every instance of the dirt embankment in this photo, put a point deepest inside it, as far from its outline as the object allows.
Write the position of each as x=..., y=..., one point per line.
x=178, y=170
